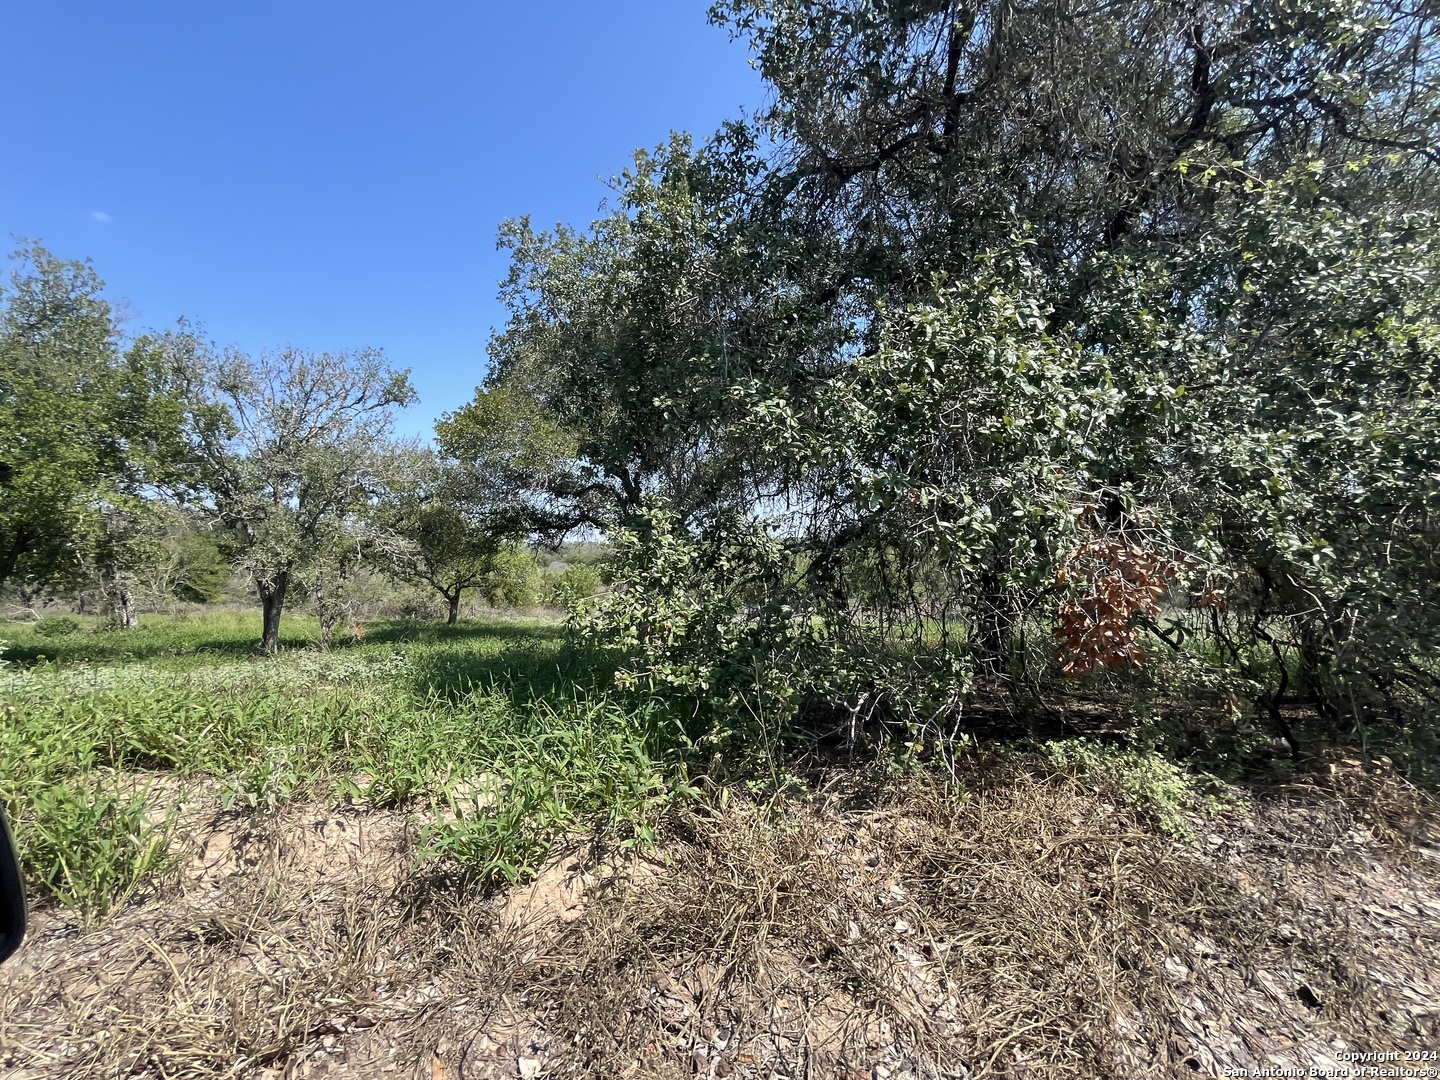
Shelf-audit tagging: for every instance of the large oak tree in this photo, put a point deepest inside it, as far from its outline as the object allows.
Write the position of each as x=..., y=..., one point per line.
x=876, y=312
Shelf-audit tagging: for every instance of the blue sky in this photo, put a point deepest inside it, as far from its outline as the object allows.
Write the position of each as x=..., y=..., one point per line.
x=332, y=174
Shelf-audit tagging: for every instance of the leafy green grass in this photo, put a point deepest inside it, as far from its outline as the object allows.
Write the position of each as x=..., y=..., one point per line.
x=587, y=766
x=194, y=638
x=188, y=641
x=1141, y=779
x=89, y=844
x=492, y=729
x=499, y=736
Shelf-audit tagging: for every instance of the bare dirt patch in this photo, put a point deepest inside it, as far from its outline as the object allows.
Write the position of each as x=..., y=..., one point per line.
x=1027, y=927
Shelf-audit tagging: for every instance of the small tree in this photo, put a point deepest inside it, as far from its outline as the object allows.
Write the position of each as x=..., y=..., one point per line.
x=154, y=552
x=202, y=571
x=514, y=580
x=130, y=558
x=328, y=574
x=433, y=531
x=288, y=447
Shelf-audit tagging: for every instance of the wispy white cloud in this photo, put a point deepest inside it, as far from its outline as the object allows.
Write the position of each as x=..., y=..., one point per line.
x=101, y=216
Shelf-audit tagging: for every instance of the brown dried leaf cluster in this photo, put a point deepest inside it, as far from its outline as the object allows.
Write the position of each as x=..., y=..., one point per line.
x=1115, y=582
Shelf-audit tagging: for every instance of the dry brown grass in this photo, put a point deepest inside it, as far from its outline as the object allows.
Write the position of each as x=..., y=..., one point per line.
x=1029, y=927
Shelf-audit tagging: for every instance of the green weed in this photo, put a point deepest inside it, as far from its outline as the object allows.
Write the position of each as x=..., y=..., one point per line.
x=88, y=844
x=265, y=784
x=484, y=723
x=1151, y=785
x=578, y=766
x=55, y=626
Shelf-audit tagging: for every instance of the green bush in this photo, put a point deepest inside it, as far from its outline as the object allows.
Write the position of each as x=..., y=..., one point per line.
x=719, y=624
x=515, y=580
x=1146, y=782
x=576, y=584
x=204, y=572
x=55, y=626
x=1006, y=501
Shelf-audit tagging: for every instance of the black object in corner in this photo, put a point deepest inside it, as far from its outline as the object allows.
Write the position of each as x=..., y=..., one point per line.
x=12, y=894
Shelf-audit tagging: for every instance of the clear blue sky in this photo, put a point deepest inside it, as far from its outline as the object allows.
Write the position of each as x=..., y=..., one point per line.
x=332, y=174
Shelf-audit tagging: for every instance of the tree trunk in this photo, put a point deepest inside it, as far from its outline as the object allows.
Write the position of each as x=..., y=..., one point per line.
x=125, y=613
x=454, y=600
x=995, y=629
x=117, y=602
x=327, y=613
x=272, y=602
x=1315, y=682
x=17, y=547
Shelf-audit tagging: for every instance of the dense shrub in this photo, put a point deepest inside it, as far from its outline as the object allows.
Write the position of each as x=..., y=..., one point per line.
x=514, y=579
x=575, y=583
x=55, y=626
x=1244, y=480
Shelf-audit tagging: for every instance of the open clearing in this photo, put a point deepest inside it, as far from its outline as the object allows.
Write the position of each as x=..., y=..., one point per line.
x=316, y=917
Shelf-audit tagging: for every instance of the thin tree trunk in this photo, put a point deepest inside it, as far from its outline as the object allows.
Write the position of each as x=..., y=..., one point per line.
x=272, y=602
x=454, y=601
x=995, y=629
x=1314, y=681
x=117, y=599
x=18, y=544
x=125, y=611
x=327, y=613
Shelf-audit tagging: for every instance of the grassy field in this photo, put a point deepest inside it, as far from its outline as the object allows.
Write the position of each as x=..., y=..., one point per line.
x=103, y=728
x=457, y=851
